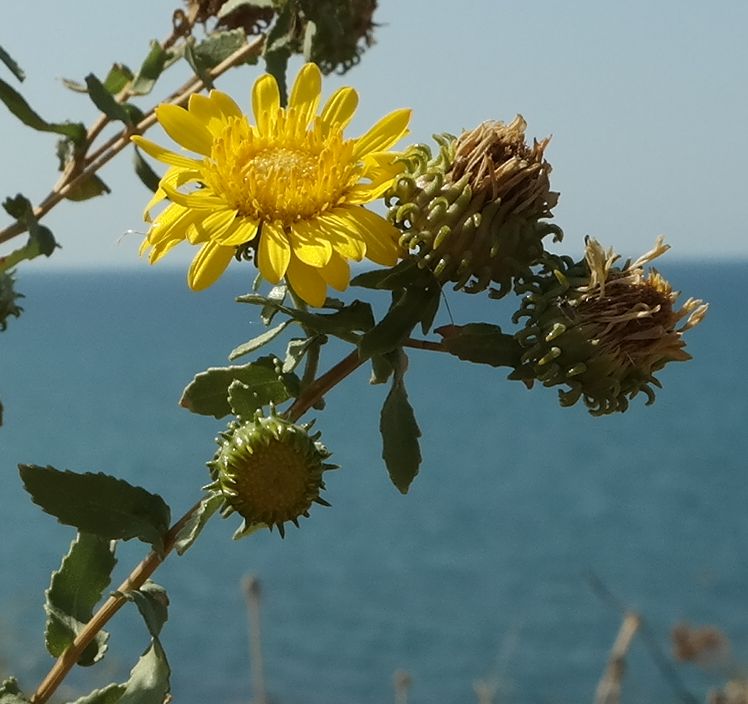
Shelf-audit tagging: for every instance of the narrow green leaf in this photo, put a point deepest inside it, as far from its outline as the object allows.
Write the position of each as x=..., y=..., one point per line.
x=400, y=433
x=381, y=368
x=17, y=104
x=119, y=77
x=110, y=694
x=74, y=591
x=151, y=69
x=256, y=342
x=99, y=504
x=277, y=295
x=208, y=393
x=153, y=604
x=201, y=71
x=10, y=693
x=105, y=101
x=406, y=311
x=145, y=173
x=402, y=275
x=356, y=317
x=192, y=529
x=149, y=679
x=481, y=343
x=297, y=348
x=75, y=86
x=8, y=60
x=430, y=308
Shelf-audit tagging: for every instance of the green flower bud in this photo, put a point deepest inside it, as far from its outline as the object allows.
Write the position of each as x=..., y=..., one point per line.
x=475, y=214
x=602, y=330
x=269, y=472
x=8, y=298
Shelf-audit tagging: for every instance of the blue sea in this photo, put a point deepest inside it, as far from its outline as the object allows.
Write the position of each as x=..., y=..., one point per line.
x=486, y=570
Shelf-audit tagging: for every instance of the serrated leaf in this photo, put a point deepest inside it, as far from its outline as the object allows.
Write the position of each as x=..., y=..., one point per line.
x=90, y=187
x=151, y=69
x=18, y=106
x=74, y=591
x=8, y=60
x=218, y=47
x=400, y=433
x=198, y=520
x=144, y=172
x=153, y=603
x=481, y=343
x=256, y=342
x=110, y=694
x=404, y=314
x=149, y=679
x=10, y=693
x=119, y=77
x=208, y=393
x=99, y=504
x=105, y=101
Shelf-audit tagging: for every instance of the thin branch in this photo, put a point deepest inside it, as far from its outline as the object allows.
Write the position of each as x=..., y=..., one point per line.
x=111, y=606
x=609, y=686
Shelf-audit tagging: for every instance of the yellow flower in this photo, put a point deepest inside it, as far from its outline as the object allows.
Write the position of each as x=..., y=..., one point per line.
x=290, y=185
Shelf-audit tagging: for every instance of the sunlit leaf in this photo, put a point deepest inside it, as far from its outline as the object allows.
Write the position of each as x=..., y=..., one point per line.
x=199, y=518
x=110, y=694
x=151, y=69
x=256, y=342
x=149, y=679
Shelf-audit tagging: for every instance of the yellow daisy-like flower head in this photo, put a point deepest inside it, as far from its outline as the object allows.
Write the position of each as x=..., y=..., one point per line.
x=290, y=186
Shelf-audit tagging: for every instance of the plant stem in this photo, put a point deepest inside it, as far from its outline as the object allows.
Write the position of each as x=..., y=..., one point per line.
x=111, y=606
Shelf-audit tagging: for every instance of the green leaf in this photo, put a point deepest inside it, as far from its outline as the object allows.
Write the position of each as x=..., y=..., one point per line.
x=89, y=187
x=74, y=591
x=402, y=275
x=297, y=348
x=230, y=5
x=355, y=317
x=149, y=679
x=17, y=104
x=153, y=604
x=119, y=77
x=381, y=367
x=145, y=173
x=151, y=69
x=40, y=242
x=199, y=518
x=105, y=101
x=481, y=343
x=110, y=694
x=406, y=311
x=10, y=693
x=99, y=504
x=257, y=342
x=218, y=47
x=208, y=393
x=400, y=433
x=8, y=60
x=277, y=295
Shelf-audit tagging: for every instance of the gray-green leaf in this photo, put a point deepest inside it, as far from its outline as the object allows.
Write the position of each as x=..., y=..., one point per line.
x=149, y=679
x=99, y=504
x=199, y=518
x=256, y=342
x=74, y=591
x=110, y=694
x=153, y=604
x=400, y=433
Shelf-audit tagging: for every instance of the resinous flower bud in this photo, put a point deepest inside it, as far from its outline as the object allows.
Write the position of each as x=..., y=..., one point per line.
x=603, y=330
x=476, y=214
x=269, y=472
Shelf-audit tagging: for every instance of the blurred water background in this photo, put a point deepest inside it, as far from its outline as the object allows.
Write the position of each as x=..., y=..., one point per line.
x=481, y=572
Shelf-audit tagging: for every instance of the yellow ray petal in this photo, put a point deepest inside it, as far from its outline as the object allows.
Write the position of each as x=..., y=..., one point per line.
x=159, y=250
x=305, y=93
x=201, y=199
x=265, y=102
x=171, y=223
x=164, y=155
x=310, y=245
x=379, y=235
x=340, y=108
x=275, y=253
x=383, y=134
x=242, y=230
x=211, y=261
x=306, y=282
x=184, y=128
x=344, y=240
x=214, y=225
x=336, y=272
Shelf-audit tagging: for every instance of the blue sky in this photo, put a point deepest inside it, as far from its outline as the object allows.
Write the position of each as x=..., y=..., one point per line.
x=647, y=103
